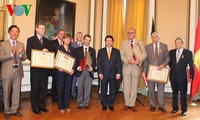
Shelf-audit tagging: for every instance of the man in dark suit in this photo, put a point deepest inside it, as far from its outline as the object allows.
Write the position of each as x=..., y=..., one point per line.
x=54, y=45
x=180, y=58
x=85, y=64
x=39, y=76
x=158, y=55
x=76, y=44
x=12, y=53
x=109, y=70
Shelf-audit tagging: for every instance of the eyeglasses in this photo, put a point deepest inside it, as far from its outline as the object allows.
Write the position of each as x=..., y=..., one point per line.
x=131, y=32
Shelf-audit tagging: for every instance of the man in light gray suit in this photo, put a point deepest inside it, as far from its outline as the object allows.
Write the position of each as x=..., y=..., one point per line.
x=132, y=54
x=12, y=54
x=157, y=54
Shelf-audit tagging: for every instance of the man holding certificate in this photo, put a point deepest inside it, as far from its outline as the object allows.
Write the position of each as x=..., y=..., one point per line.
x=157, y=54
x=39, y=76
x=132, y=54
x=85, y=64
x=180, y=58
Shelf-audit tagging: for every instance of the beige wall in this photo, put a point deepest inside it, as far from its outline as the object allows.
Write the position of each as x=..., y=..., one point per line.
x=172, y=20
x=27, y=23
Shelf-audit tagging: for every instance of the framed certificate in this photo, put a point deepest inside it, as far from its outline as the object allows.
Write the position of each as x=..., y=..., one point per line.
x=64, y=61
x=158, y=75
x=41, y=59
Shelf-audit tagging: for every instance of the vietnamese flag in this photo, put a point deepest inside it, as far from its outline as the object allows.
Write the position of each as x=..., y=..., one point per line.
x=196, y=82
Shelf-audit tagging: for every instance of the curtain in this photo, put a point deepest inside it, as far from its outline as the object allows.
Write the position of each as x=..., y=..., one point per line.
x=137, y=17
x=115, y=21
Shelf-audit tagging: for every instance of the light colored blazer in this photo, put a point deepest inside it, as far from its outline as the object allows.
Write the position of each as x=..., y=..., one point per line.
x=7, y=59
x=163, y=56
x=127, y=54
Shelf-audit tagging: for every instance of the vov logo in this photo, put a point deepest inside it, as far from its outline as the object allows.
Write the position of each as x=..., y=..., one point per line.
x=19, y=10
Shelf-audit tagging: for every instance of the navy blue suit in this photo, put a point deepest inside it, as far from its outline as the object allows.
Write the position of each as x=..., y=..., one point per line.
x=39, y=76
x=109, y=69
x=54, y=47
x=178, y=76
x=64, y=82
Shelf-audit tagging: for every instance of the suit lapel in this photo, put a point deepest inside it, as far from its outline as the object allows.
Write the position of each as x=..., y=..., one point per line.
x=38, y=42
x=182, y=55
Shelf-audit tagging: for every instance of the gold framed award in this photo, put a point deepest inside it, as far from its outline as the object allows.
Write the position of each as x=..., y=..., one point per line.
x=41, y=59
x=64, y=62
x=156, y=75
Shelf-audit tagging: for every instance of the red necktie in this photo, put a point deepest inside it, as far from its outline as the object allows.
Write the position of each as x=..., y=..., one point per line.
x=131, y=44
x=41, y=41
x=14, y=55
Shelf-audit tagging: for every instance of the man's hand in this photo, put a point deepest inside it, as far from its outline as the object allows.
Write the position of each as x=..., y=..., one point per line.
x=143, y=75
x=160, y=67
x=79, y=68
x=20, y=50
x=117, y=76
x=134, y=62
x=90, y=69
x=101, y=76
x=45, y=50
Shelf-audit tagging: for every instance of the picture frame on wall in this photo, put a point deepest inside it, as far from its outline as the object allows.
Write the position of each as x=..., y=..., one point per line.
x=55, y=15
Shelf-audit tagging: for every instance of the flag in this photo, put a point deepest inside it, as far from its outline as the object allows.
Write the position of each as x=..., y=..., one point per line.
x=152, y=29
x=196, y=82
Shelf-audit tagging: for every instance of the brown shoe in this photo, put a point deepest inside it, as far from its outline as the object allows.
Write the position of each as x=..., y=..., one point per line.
x=7, y=116
x=125, y=108
x=133, y=109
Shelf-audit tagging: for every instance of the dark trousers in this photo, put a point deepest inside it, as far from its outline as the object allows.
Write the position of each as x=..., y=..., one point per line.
x=182, y=87
x=54, y=85
x=108, y=100
x=39, y=82
x=64, y=86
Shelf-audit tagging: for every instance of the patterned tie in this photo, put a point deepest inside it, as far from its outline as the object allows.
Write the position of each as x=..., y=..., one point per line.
x=156, y=54
x=14, y=55
x=131, y=44
x=108, y=53
x=178, y=54
x=41, y=41
x=86, y=52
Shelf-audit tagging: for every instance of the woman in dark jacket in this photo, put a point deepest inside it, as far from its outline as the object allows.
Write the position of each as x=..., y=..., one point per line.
x=64, y=79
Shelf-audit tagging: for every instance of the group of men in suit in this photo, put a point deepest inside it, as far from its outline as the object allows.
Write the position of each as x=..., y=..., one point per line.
x=133, y=59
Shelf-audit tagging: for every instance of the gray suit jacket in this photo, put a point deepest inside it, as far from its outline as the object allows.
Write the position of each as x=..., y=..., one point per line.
x=163, y=57
x=7, y=59
x=127, y=53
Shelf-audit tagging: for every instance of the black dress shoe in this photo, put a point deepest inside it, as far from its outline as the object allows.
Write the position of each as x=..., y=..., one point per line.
x=36, y=111
x=17, y=114
x=152, y=109
x=44, y=110
x=87, y=107
x=7, y=116
x=183, y=113
x=162, y=109
x=111, y=108
x=104, y=108
x=80, y=107
x=174, y=111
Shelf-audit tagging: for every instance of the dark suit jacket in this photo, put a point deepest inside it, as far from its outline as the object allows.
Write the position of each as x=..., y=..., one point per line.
x=109, y=68
x=33, y=43
x=178, y=70
x=79, y=54
x=54, y=45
